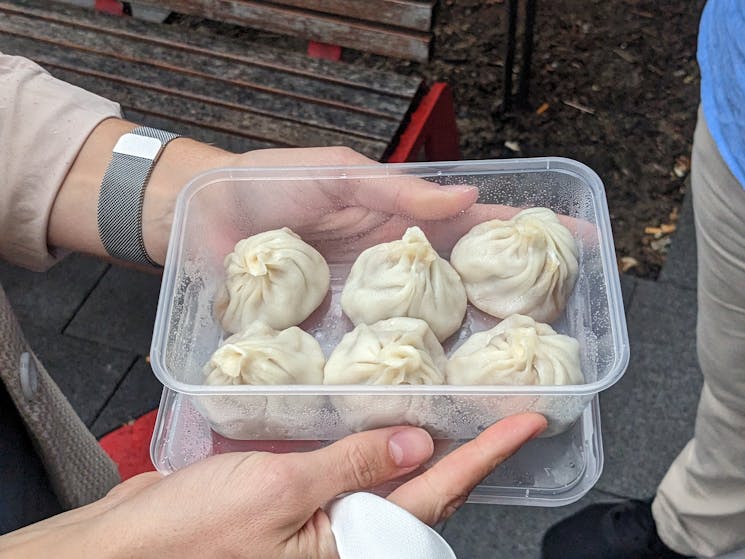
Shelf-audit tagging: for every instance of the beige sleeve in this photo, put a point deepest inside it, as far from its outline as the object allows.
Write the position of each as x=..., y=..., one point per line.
x=43, y=124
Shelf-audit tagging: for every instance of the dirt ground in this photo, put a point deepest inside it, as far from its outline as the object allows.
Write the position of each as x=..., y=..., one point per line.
x=619, y=81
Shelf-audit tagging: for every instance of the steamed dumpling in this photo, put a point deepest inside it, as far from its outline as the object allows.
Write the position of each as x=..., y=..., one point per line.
x=396, y=351
x=405, y=278
x=526, y=265
x=393, y=351
x=517, y=351
x=273, y=277
x=262, y=355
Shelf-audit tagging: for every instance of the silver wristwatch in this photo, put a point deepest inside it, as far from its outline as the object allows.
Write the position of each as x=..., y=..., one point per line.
x=123, y=192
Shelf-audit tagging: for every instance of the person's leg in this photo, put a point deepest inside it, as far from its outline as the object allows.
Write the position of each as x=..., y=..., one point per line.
x=700, y=504
x=25, y=493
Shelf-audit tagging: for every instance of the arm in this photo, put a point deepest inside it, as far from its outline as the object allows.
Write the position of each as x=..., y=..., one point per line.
x=43, y=123
x=73, y=220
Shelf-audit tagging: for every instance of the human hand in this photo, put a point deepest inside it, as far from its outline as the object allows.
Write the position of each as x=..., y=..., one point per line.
x=326, y=213
x=338, y=217
x=262, y=505
x=343, y=217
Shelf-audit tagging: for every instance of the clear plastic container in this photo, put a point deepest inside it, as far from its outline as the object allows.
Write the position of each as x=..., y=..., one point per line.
x=219, y=208
x=548, y=472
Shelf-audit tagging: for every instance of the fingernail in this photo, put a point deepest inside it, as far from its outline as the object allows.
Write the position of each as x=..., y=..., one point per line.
x=539, y=431
x=410, y=447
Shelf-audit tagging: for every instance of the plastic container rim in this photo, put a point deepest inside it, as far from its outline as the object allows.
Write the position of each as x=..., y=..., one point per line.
x=488, y=495
x=383, y=170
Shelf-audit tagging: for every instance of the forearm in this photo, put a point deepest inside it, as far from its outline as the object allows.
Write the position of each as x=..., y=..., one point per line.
x=71, y=535
x=73, y=221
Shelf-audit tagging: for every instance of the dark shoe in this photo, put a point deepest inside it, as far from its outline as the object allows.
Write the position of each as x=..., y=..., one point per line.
x=623, y=530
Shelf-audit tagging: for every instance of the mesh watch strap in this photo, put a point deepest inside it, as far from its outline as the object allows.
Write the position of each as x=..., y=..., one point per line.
x=123, y=192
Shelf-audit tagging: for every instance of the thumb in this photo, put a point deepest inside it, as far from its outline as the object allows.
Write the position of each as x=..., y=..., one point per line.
x=364, y=460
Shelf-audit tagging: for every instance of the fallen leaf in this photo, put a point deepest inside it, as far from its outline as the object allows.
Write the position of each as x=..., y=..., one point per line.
x=682, y=166
x=628, y=262
x=661, y=245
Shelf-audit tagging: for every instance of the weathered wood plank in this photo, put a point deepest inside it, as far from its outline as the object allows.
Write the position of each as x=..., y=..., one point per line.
x=173, y=58
x=409, y=45
x=224, y=140
x=201, y=113
x=411, y=14
x=272, y=59
x=219, y=93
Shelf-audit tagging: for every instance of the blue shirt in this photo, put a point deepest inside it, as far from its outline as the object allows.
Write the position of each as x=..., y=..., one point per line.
x=721, y=57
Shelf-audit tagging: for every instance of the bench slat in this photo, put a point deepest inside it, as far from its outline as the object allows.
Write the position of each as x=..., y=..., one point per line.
x=230, y=142
x=181, y=58
x=396, y=43
x=411, y=14
x=239, y=95
x=337, y=73
x=219, y=93
x=203, y=114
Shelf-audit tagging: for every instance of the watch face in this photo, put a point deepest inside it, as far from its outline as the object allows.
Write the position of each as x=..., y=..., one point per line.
x=138, y=146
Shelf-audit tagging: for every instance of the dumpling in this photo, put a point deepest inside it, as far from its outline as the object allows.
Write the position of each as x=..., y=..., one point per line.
x=526, y=265
x=393, y=351
x=273, y=277
x=261, y=355
x=405, y=278
x=396, y=351
x=517, y=351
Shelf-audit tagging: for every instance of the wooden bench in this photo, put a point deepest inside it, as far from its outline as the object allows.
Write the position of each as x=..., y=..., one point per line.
x=395, y=28
x=241, y=96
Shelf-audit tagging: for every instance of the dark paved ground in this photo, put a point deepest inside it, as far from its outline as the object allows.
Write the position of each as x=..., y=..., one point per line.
x=91, y=324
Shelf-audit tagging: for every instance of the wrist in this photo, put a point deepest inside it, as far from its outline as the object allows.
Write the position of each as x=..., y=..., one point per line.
x=70, y=535
x=181, y=160
x=73, y=221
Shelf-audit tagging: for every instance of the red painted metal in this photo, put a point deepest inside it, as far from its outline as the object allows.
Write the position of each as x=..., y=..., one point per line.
x=432, y=133
x=110, y=7
x=324, y=50
x=129, y=446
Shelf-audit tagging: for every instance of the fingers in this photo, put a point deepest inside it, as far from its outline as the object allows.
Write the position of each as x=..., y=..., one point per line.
x=439, y=491
x=444, y=234
x=362, y=461
x=399, y=194
x=410, y=196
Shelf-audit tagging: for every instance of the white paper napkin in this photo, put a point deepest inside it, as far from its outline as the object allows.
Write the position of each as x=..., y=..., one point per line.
x=369, y=527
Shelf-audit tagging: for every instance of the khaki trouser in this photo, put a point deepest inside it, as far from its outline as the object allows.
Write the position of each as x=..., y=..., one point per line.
x=700, y=504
